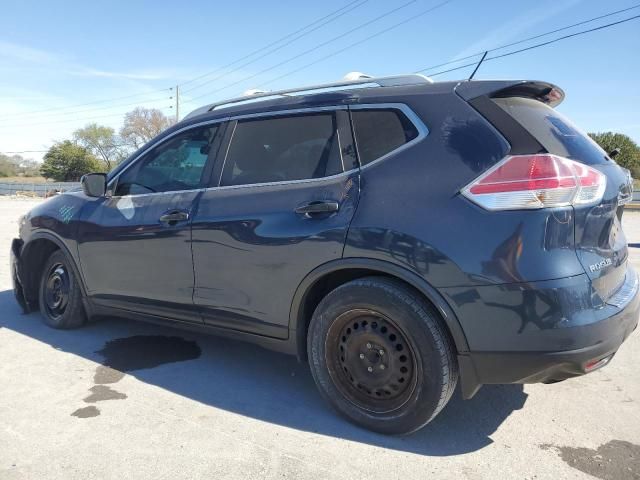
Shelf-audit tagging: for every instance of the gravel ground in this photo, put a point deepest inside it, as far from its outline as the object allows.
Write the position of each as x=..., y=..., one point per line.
x=230, y=410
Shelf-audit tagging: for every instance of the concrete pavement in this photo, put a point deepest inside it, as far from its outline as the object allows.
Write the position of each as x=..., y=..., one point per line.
x=120, y=399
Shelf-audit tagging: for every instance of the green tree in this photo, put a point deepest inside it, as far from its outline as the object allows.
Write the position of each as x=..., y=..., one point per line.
x=142, y=124
x=67, y=162
x=102, y=142
x=629, y=156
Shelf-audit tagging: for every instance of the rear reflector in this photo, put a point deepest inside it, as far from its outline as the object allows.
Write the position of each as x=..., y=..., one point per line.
x=536, y=181
x=592, y=365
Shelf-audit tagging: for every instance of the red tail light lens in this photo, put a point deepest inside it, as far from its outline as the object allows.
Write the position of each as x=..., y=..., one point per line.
x=536, y=181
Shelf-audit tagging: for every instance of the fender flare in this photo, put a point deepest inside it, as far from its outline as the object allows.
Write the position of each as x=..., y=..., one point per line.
x=297, y=324
x=59, y=242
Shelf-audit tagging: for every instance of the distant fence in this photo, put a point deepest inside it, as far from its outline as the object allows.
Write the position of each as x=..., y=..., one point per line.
x=35, y=189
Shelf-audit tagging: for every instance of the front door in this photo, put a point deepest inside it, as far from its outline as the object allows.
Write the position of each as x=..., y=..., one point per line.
x=135, y=247
x=288, y=189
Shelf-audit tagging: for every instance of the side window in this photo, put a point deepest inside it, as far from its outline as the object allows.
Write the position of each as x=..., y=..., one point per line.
x=176, y=164
x=379, y=132
x=283, y=148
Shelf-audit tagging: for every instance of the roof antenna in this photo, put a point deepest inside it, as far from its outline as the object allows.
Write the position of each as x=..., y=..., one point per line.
x=477, y=66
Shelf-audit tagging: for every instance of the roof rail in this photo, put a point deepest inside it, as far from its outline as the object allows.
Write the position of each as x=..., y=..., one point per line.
x=391, y=81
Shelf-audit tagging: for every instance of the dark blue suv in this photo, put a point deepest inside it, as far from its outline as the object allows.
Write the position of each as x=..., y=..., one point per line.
x=398, y=234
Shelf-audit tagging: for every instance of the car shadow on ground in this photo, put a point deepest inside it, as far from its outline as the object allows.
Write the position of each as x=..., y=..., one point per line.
x=271, y=387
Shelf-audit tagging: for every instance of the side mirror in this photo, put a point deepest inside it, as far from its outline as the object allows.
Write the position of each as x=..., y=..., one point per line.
x=94, y=184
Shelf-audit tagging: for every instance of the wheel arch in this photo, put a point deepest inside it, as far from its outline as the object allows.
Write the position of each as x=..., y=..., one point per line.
x=33, y=255
x=335, y=273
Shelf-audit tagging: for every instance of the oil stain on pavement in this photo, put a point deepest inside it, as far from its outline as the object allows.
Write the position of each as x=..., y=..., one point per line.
x=147, y=351
x=100, y=393
x=128, y=354
x=86, y=412
x=615, y=460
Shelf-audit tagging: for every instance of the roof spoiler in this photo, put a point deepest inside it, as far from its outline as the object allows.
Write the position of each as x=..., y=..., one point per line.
x=545, y=92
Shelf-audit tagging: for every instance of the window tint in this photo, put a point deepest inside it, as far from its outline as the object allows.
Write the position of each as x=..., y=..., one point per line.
x=283, y=148
x=554, y=132
x=176, y=164
x=379, y=132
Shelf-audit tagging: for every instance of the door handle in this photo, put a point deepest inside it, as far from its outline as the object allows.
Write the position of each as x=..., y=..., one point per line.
x=174, y=217
x=312, y=208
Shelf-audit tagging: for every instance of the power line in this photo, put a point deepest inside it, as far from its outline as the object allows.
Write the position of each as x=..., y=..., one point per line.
x=88, y=103
x=338, y=13
x=359, y=42
x=341, y=12
x=601, y=27
x=532, y=47
x=45, y=151
x=290, y=59
x=23, y=151
x=531, y=38
x=538, y=45
x=457, y=68
x=66, y=114
x=84, y=119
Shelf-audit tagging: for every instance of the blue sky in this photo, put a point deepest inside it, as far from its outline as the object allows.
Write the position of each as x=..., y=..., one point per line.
x=55, y=55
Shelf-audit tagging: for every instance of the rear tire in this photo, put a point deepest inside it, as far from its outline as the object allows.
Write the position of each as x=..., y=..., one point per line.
x=60, y=296
x=380, y=355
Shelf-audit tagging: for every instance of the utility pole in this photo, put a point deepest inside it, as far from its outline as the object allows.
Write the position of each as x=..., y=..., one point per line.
x=177, y=103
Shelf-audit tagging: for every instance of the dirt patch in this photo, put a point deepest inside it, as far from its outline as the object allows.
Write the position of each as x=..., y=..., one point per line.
x=615, y=460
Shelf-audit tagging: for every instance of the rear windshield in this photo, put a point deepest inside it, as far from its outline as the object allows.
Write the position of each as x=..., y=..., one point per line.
x=553, y=131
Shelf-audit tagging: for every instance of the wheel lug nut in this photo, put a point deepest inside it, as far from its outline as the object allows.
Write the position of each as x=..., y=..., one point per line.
x=362, y=356
x=370, y=369
x=381, y=352
x=382, y=367
x=368, y=345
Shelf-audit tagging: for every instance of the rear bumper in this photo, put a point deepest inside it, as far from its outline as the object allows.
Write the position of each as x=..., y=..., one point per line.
x=595, y=340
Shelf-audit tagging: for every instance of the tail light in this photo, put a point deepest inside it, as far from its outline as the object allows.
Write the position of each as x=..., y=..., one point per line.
x=536, y=181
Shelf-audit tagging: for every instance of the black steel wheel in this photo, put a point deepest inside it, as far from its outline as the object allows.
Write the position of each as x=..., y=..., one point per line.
x=60, y=296
x=381, y=355
x=57, y=286
x=373, y=364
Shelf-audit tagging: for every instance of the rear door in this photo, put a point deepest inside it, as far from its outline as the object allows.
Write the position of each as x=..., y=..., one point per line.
x=284, y=195
x=600, y=243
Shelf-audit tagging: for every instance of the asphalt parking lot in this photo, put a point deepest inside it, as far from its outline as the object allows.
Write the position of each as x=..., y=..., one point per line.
x=177, y=405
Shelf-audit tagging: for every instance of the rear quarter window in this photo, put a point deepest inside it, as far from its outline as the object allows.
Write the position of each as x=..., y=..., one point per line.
x=552, y=130
x=380, y=131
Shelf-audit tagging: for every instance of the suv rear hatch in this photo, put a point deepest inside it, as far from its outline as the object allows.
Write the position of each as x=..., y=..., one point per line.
x=600, y=243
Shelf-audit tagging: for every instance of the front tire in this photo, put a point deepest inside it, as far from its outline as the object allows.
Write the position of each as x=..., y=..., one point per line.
x=60, y=296
x=381, y=356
